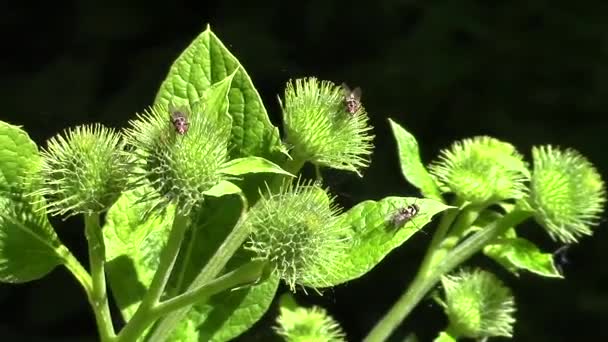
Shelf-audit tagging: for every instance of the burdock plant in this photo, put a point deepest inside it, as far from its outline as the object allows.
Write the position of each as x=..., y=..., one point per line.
x=199, y=208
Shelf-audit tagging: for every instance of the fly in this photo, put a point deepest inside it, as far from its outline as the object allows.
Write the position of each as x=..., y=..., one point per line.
x=352, y=99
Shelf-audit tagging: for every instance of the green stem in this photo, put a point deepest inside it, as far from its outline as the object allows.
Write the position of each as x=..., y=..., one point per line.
x=423, y=282
x=244, y=275
x=79, y=272
x=141, y=319
x=451, y=239
x=214, y=266
x=444, y=225
x=99, y=296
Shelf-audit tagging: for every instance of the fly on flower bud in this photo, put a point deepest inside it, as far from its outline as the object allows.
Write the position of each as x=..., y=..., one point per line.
x=404, y=215
x=179, y=121
x=352, y=99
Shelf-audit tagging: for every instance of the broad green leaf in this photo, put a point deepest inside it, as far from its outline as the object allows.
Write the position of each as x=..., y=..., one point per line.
x=207, y=61
x=223, y=188
x=241, y=166
x=29, y=247
x=516, y=253
x=133, y=246
x=374, y=235
x=411, y=166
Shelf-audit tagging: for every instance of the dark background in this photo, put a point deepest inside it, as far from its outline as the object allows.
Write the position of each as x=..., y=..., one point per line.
x=528, y=72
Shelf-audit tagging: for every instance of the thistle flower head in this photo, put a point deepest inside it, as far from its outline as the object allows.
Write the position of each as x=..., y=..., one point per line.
x=297, y=324
x=83, y=171
x=297, y=230
x=321, y=129
x=567, y=193
x=178, y=154
x=478, y=305
x=481, y=170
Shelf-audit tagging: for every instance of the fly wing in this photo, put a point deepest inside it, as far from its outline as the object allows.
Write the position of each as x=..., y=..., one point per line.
x=357, y=93
x=346, y=89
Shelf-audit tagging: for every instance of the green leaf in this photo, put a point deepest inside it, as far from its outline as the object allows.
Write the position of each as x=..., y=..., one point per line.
x=133, y=247
x=29, y=247
x=223, y=188
x=241, y=166
x=227, y=314
x=411, y=166
x=18, y=156
x=374, y=235
x=516, y=253
x=207, y=61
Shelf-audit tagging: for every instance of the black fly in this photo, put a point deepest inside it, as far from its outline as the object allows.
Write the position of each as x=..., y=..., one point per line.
x=404, y=215
x=180, y=121
x=352, y=99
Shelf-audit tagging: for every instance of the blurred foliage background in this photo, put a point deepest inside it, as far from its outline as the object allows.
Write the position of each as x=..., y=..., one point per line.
x=528, y=72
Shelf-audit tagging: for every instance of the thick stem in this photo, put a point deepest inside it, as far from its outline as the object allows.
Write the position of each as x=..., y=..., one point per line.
x=99, y=296
x=424, y=282
x=141, y=319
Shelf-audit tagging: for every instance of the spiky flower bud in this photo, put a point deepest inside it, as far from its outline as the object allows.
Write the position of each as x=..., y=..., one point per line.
x=567, y=193
x=481, y=170
x=298, y=231
x=83, y=171
x=478, y=305
x=321, y=129
x=297, y=324
x=179, y=154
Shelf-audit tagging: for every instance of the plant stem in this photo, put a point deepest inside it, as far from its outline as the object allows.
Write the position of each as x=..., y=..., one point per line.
x=79, y=272
x=246, y=274
x=99, y=296
x=451, y=239
x=214, y=266
x=423, y=282
x=141, y=319
x=444, y=225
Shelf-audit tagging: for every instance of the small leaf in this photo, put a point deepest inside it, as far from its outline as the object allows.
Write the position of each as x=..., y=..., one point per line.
x=374, y=235
x=29, y=247
x=223, y=188
x=207, y=61
x=246, y=165
x=214, y=103
x=516, y=253
x=411, y=166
